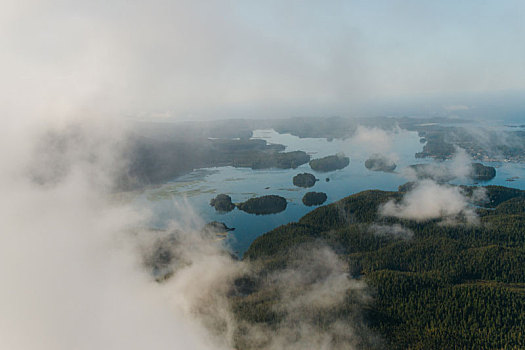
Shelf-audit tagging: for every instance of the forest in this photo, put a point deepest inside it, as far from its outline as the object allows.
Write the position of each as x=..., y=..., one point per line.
x=458, y=286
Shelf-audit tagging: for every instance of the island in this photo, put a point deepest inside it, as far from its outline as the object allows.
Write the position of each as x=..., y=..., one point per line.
x=314, y=198
x=160, y=153
x=437, y=172
x=217, y=227
x=482, y=172
x=379, y=162
x=330, y=163
x=217, y=230
x=270, y=204
x=222, y=203
x=266, y=160
x=304, y=180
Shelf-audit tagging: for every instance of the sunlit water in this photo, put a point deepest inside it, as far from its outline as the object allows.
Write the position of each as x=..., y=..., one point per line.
x=170, y=201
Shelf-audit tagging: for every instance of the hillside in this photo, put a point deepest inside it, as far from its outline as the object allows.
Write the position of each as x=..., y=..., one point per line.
x=432, y=286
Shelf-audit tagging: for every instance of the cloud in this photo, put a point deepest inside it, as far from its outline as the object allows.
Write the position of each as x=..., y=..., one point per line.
x=85, y=272
x=459, y=167
x=395, y=231
x=461, y=164
x=313, y=285
x=376, y=139
x=69, y=252
x=429, y=200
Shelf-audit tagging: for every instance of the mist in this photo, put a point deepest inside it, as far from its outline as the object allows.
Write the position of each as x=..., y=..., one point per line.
x=429, y=200
x=459, y=167
x=210, y=59
x=72, y=275
x=395, y=231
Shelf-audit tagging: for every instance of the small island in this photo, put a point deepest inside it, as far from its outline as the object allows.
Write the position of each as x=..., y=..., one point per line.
x=217, y=227
x=314, y=198
x=222, y=203
x=482, y=172
x=304, y=180
x=378, y=162
x=330, y=163
x=217, y=230
x=264, y=205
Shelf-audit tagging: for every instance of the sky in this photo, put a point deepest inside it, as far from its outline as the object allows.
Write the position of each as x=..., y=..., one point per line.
x=215, y=59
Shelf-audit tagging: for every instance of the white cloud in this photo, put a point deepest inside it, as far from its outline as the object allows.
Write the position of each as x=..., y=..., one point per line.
x=429, y=200
x=395, y=231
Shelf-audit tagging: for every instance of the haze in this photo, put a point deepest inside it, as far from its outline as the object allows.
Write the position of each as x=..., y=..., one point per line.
x=217, y=59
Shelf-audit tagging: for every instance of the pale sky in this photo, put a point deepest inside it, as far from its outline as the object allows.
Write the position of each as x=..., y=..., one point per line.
x=207, y=59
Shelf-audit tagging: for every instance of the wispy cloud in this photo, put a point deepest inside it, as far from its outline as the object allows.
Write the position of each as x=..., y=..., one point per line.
x=429, y=200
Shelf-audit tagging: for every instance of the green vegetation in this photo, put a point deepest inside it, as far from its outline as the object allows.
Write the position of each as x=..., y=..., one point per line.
x=304, y=180
x=480, y=143
x=449, y=287
x=270, y=204
x=436, y=147
x=439, y=172
x=314, y=198
x=482, y=173
x=159, y=152
x=222, y=202
x=281, y=160
x=330, y=163
x=155, y=160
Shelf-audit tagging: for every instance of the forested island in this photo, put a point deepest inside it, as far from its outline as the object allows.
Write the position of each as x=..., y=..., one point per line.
x=156, y=161
x=222, y=203
x=304, y=180
x=330, y=163
x=264, y=205
x=378, y=162
x=314, y=198
x=158, y=153
x=482, y=172
x=218, y=228
x=446, y=287
x=438, y=172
